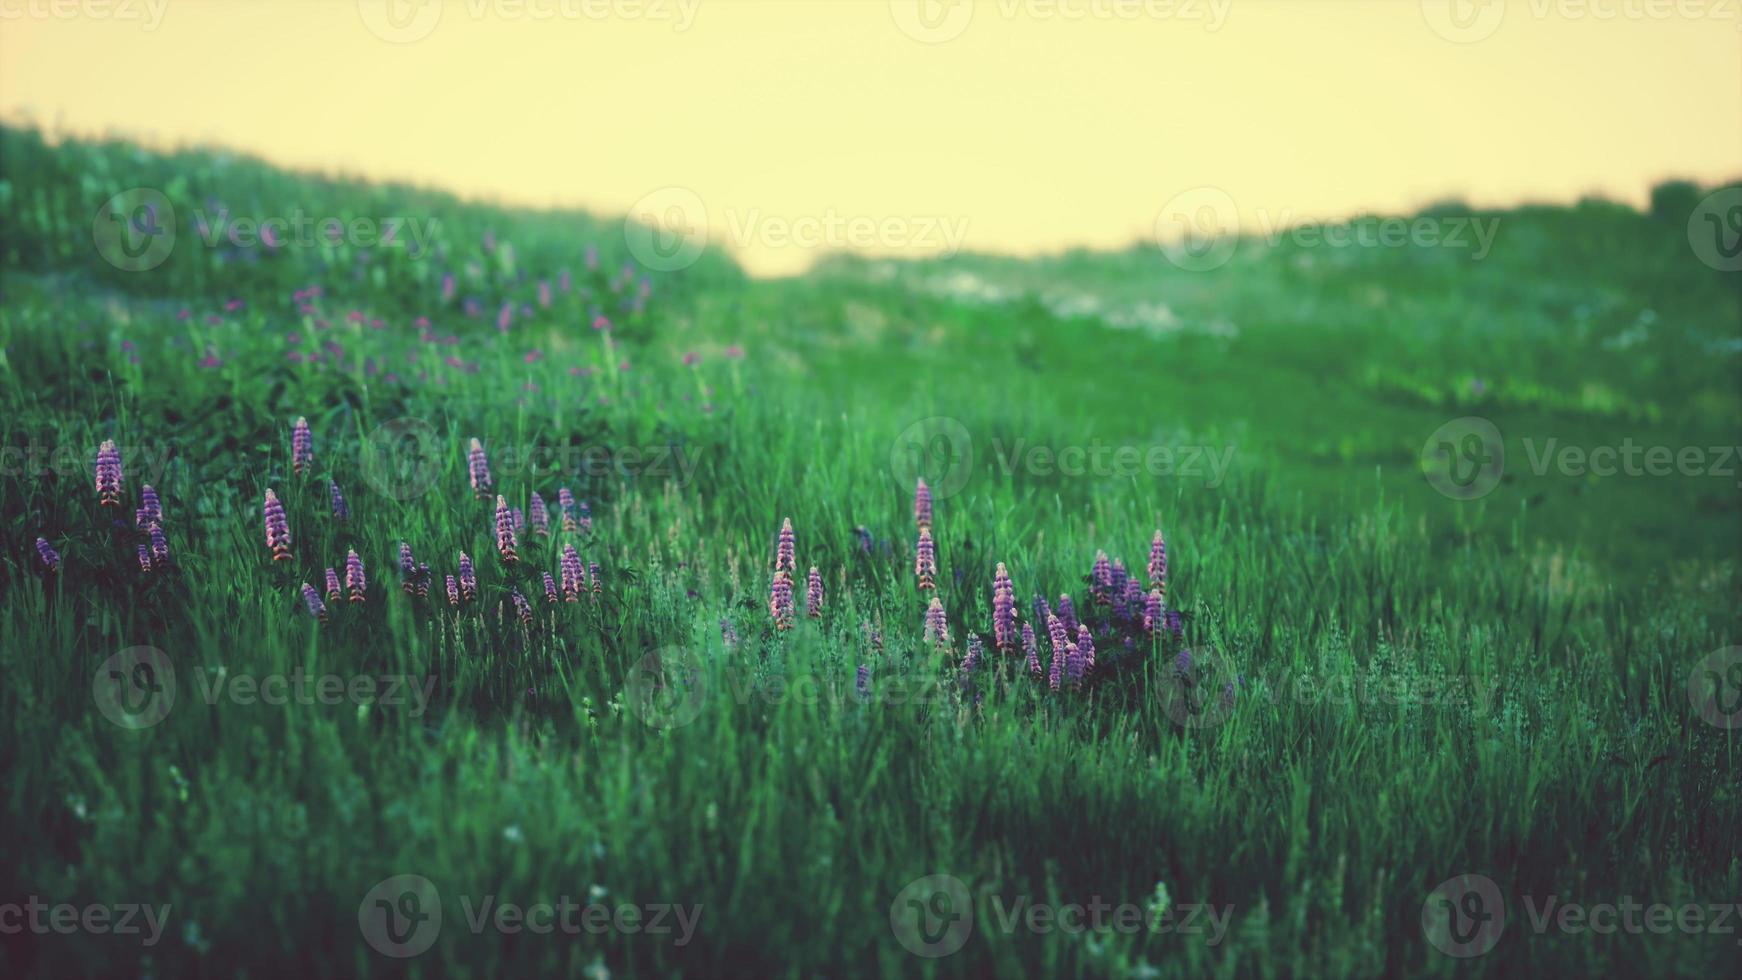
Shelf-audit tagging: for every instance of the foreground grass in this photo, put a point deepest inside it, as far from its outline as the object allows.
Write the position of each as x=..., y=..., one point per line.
x=1420, y=695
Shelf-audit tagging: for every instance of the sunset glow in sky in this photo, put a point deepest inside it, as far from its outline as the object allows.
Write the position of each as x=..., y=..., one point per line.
x=914, y=127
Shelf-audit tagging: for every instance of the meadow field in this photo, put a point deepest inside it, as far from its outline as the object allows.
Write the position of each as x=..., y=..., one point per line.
x=454, y=590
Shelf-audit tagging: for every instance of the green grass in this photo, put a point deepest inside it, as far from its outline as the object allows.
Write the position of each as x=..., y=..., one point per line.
x=1430, y=687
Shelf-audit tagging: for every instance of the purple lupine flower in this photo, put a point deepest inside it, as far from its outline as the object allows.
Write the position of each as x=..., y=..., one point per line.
x=468, y=578
x=1086, y=647
x=50, y=557
x=572, y=574
x=1117, y=577
x=780, y=600
x=453, y=591
x=1158, y=564
x=108, y=474
x=1003, y=610
x=783, y=553
x=538, y=516
x=302, y=446
x=922, y=504
x=728, y=634
x=150, y=507
x=505, y=316
x=1102, y=578
x=550, y=595
x=937, y=627
x=1133, y=599
x=407, y=569
x=277, y=527
x=862, y=682
x=544, y=293
x=1068, y=614
x=478, y=470
x=813, y=596
x=159, y=545
x=925, y=561
x=1152, y=611
x=972, y=657
x=1182, y=663
x=1041, y=609
x=586, y=516
x=423, y=578
x=355, y=583
x=341, y=512
x=505, y=540
x=593, y=576
x=312, y=600
x=565, y=502
x=1055, y=629
x=1031, y=649
x=1175, y=623
x=522, y=608
x=1073, y=663
x=335, y=592
x=144, y=558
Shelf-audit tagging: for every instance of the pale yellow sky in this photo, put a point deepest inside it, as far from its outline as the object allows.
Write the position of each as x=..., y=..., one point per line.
x=1004, y=126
